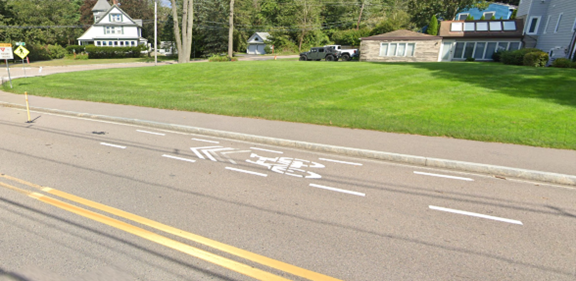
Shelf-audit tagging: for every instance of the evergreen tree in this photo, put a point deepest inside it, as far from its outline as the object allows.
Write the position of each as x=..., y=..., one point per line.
x=483, y=17
x=433, y=26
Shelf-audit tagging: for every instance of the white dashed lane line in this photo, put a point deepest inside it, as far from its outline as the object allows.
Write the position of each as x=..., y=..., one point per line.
x=247, y=172
x=178, y=158
x=113, y=145
x=267, y=150
x=151, y=133
x=474, y=215
x=210, y=141
x=443, y=176
x=341, y=162
x=338, y=190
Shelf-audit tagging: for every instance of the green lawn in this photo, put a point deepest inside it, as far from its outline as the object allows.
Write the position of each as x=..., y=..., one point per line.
x=479, y=101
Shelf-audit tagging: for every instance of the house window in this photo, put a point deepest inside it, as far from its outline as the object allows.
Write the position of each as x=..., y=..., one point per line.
x=397, y=49
x=97, y=43
x=127, y=43
x=489, y=15
x=469, y=26
x=558, y=23
x=115, y=17
x=469, y=49
x=547, y=23
x=495, y=26
x=103, y=43
x=479, y=51
x=115, y=43
x=383, y=49
x=490, y=50
x=462, y=16
x=459, y=50
x=533, y=24
x=133, y=43
x=410, y=48
x=456, y=26
x=514, y=46
x=109, y=43
x=502, y=46
x=392, y=49
x=401, y=50
x=481, y=26
x=509, y=25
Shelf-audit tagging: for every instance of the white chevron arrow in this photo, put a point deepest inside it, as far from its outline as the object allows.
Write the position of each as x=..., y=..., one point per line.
x=212, y=152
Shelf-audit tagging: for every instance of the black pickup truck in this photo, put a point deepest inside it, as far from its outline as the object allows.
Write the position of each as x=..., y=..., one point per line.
x=318, y=53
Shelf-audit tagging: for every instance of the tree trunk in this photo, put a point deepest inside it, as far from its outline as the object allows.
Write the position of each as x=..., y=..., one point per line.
x=185, y=46
x=177, y=30
x=184, y=38
x=189, y=32
x=231, y=30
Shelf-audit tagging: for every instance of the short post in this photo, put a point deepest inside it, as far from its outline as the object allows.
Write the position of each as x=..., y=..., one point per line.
x=24, y=68
x=27, y=107
x=9, y=78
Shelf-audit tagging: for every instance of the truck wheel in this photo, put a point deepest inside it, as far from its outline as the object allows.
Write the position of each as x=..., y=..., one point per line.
x=329, y=58
x=303, y=58
x=345, y=57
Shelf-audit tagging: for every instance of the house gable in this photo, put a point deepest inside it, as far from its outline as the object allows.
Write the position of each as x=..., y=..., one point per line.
x=258, y=38
x=110, y=18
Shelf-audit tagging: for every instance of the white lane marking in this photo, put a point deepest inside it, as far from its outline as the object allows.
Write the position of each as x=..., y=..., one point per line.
x=236, y=151
x=152, y=133
x=338, y=190
x=443, y=176
x=338, y=161
x=474, y=215
x=247, y=172
x=178, y=158
x=195, y=150
x=113, y=145
x=267, y=150
x=212, y=152
x=205, y=140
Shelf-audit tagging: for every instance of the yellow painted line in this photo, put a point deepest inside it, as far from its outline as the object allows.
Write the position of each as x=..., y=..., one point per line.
x=187, y=249
x=292, y=269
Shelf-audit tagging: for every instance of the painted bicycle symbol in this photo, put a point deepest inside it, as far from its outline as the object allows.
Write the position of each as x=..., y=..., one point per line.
x=287, y=166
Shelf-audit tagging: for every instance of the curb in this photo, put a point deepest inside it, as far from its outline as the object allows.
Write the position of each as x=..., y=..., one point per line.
x=348, y=151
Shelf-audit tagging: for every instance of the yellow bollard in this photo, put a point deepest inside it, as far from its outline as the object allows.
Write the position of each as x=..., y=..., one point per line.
x=27, y=106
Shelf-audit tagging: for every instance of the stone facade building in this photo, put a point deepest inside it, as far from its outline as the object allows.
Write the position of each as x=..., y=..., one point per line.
x=400, y=46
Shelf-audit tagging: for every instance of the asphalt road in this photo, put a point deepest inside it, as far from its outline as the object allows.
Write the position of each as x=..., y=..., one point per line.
x=339, y=217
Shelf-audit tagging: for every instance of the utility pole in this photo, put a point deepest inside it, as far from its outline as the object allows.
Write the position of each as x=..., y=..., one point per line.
x=360, y=16
x=231, y=30
x=155, y=32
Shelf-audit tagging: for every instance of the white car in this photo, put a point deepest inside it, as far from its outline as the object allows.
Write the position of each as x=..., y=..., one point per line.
x=345, y=54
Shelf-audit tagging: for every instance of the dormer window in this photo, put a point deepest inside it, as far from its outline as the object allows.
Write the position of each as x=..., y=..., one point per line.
x=255, y=38
x=115, y=17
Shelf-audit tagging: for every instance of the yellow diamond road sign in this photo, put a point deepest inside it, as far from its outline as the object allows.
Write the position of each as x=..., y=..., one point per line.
x=21, y=52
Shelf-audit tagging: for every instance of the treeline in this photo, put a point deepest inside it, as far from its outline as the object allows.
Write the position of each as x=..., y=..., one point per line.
x=293, y=24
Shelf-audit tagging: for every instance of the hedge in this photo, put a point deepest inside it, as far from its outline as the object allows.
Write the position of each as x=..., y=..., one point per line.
x=75, y=48
x=562, y=63
x=516, y=57
x=536, y=59
x=46, y=52
x=114, y=52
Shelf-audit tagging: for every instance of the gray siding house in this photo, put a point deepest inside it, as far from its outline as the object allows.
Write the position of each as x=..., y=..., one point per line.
x=550, y=26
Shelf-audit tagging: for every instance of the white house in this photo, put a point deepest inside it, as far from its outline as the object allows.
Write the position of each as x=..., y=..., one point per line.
x=112, y=28
x=256, y=43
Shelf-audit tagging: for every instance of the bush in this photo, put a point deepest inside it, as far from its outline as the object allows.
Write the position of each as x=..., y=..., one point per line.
x=562, y=63
x=82, y=56
x=267, y=49
x=497, y=56
x=75, y=48
x=350, y=37
x=217, y=58
x=114, y=52
x=48, y=52
x=470, y=59
x=433, y=26
x=516, y=57
x=536, y=59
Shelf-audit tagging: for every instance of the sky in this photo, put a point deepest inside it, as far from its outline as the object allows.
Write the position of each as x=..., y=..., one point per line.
x=165, y=3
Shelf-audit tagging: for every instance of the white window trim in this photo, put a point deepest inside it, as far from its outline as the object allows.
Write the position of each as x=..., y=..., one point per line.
x=467, y=15
x=396, y=51
x=538, y=18
x=487, y=26
x=547, y=23
x=558, y=23
x=484, y=14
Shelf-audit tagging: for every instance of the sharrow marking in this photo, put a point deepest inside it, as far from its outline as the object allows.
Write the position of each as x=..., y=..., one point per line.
x=195, y=150
x=342, y=162
x=338, y=190
x=205, y=140
x=474, y=215
x=267, y=150
x=113, y=145
x=247, y=172
x=152, y=133
x=443, y=176
x=178, y=158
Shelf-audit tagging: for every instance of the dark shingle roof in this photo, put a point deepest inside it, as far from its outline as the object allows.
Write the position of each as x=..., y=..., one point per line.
x=402, y=35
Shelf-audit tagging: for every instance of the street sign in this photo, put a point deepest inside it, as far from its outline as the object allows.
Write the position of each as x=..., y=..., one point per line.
x=6, y=51
x=21, y=52
x=20, y=43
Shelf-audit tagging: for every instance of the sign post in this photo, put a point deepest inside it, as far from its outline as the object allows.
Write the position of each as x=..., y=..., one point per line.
x=22, y=53
x=6, y=54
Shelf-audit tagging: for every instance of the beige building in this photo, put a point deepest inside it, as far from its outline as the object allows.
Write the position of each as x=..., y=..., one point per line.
x=400, y=46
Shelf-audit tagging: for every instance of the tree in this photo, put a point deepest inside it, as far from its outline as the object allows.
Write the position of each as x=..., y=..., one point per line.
x=470, y=17
x=433, y=26
x=482, y=17
x=422, y=10
x=184, y=38
x=513, y=16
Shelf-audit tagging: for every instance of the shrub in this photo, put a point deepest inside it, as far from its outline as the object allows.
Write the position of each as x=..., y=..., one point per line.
x=267, y=49
x=482, y=17
x=516, y=57
x=513, y=16
x=82, y=56
x=433, y=26
x=470, y=59
x=48, y=52
x=536, y=59
x=497, y=56
x=75, y=48
x=562, y=63
x=470, y=17
x=217, y=58
x=114, y=52
x=350, y=37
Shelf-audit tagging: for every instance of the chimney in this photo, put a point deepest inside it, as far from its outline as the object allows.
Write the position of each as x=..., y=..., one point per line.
x=115, y=2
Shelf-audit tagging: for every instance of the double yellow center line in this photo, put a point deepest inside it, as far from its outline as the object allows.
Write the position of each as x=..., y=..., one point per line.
x=192, y=251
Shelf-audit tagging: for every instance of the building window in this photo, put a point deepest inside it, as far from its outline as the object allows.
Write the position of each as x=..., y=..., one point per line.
x=383, y=49
x=558, y=23
x=459, y=50
x=469, y=26
x=456, y=26
x=397, y=49
x=514, y=46
x=392, y=49
x=547, y=23
x=109, y=43
x=462, y=16
x=115, y=17
x=410, y=48
x=469, y=49
x=489, y=15
x=97, y=43
x=115, y=43
x=479, y=51
x=133, y=43
x=509, y=25
x=502, y=46
x=495, y=26
x=481, y=26
x=103, y=43
x=533, y=25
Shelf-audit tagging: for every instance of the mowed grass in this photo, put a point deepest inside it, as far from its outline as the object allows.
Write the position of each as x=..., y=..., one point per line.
x=478, y=101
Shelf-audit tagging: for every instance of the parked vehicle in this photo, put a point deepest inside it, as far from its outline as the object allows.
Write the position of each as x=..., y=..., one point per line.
x=318, y=53
x=345, y=54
